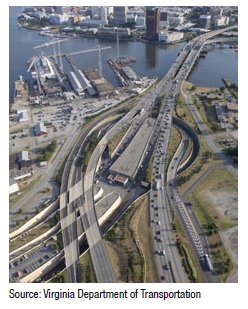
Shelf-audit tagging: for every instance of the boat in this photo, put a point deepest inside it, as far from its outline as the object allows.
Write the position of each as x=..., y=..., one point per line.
x=46, y=33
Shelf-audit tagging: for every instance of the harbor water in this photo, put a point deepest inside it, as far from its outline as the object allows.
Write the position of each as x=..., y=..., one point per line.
x=151, y=59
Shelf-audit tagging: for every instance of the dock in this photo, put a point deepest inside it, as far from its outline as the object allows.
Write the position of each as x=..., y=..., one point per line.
x=122, y=69
x=21, y=95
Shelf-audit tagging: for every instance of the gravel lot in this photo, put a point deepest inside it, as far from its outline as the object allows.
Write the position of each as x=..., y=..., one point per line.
x=226, y=202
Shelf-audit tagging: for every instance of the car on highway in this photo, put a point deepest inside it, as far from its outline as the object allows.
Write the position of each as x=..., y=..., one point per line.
x=163, y=277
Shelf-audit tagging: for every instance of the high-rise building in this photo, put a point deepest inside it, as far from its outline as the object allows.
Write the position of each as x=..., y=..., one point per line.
x=104, y=15
x=120, y=15
x=95, y=12
x=62, y=9
x=164, y=23
x=204, y=21
x=152, y=23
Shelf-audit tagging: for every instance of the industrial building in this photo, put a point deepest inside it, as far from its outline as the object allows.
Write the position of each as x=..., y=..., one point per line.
x=40, y=129
x=44, y=68
x=13, y=185
x=22, y=115
x=129, y=73
x=123, y=180
x=100, y=84
x=23, y=160
x=218, y=111
x=232, y=107
x=80, y=83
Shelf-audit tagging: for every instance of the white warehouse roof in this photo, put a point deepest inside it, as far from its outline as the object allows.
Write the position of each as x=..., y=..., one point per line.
x=23, y=156
x=13, y=186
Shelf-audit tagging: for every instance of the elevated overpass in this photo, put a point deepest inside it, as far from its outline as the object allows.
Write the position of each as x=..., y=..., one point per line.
x=87, y=210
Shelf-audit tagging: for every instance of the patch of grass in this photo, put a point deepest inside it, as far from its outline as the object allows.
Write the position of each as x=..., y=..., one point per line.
x=87, y=269
x=146, y=242
x=210, y=220
x=113, y=143
x=128, y=260
x=188, y=259
x=217, y=180
x=129, y=245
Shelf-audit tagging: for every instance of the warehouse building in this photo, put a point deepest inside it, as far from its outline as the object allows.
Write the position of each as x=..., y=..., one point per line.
x=40, y=129
x=80, y=83
x=100, y=84
x=23, y=160
x=13, y=185
x=129, y=73
x=232, y=107
x=22, y=115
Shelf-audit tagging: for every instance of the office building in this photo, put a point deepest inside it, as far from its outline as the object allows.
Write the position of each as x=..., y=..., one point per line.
x=204, y=21
x=152, y=24
x=120, y=15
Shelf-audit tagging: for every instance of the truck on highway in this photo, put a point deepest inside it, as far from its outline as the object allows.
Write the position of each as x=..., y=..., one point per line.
x=208, y=262
x=141, y=111
x=157, y=184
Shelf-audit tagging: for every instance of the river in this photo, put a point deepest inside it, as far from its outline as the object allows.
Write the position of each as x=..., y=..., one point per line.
x=151, y=59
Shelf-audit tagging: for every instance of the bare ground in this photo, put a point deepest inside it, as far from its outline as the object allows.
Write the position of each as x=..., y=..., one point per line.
x=226, y=203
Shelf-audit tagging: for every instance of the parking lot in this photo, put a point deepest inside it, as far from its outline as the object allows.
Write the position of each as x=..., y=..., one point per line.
x=29, y=262
x=61, y=122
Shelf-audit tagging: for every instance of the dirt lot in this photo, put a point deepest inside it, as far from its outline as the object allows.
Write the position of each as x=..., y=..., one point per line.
x=226, y=204
x=230, y=238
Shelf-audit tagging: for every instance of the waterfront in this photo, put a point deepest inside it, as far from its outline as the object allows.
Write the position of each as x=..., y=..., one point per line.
x=151, y=59
x=95, y=62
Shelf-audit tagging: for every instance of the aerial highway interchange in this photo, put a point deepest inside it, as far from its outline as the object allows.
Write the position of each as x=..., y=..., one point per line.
x=76, y=200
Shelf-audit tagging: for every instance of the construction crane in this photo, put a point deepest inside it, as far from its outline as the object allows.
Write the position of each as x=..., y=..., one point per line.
x=53, y=42
x=117, y=42
x=97, y=48
x=50, y=43
x=33, y=63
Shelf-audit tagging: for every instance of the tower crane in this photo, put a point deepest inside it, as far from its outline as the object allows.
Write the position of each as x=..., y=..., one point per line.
x=33, y=63
x=97, y=48
x=53, y=42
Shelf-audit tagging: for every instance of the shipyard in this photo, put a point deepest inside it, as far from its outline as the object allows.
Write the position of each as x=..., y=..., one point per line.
x=51, y=85
x=55, y=103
